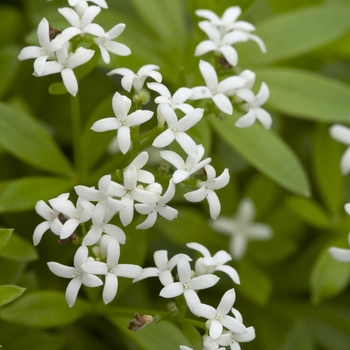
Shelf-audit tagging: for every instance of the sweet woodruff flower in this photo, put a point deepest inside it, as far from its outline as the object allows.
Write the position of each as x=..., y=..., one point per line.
x=163, y=267
x=215, y=90
x=137, y=80
x=122, y=122
x=219, y=318
x=185, y=169
x=188, y=285
x=241, y=228
x=77, y=275
x=207, y=190
x=101, y=3
x=177, y=129
x=253, y=109
x=210, y=264
x=342, y=134
x=106, y=44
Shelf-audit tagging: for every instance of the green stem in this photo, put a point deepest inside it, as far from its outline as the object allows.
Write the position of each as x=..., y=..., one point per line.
x=76, y=136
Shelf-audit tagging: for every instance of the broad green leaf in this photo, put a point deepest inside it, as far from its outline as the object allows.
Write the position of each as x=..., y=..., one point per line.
x=5, y=235
x=192, y=335
x=328, y=277
x=23, y=194
x=44, y=309
x=295, y=33
x=9, y=65
x=26, y=139
x=267, y=152
x=326, y=154
x=255, y=284
x=306, y=95
x=309, y=211
x=19, y=249
x=290, y=5
x=163, y=335
x=10, y=293
x=299, y=337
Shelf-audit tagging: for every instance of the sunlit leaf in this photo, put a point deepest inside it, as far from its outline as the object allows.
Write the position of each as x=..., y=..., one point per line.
x=5, y=235
x=9, y=293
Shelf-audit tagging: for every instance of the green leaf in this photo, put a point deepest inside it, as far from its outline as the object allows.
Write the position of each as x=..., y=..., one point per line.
x=290, y=5
x=296, y=33
x=192, y=334
x=11, y=25
x=255, y=284
x=44, y=309
x=9, y=293
x=19, y=249
x=309, y=211
x=306, y=95
x=9, y=65
x=5, y=235
x=326, y=154
x=26, y=139
x=328, y=277
x=23, y=194
x=163, y=335
x=267, y=152
x=299, y=337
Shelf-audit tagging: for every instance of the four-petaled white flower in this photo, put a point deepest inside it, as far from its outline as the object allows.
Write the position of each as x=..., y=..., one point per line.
x=106, y=44
x=137, y=80
x=253, y=109
x=342, y=134
x=176, y=129
x=76, y=273
x=215, y=90
x=241, y=228
x=65, y=64
x=218, y=318
x=207, y=190
x=122, y=122
x=209, y=264
x=101, y=3
x=163, y=267
x=187, y=285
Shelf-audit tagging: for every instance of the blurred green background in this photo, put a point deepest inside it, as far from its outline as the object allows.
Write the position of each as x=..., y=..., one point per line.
x=291, y=291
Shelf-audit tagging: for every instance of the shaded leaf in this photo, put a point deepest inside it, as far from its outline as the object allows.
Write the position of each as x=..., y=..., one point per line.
x=9, y=65
x=19, y=249
x=5, y=235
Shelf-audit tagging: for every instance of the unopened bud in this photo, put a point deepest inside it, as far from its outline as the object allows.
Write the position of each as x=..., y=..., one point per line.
x=140, y=321
x=142, y=96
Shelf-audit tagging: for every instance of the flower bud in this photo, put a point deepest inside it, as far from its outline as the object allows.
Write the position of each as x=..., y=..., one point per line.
x=140, y=321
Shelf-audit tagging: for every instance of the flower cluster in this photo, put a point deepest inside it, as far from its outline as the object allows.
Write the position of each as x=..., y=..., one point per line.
x=223, y=33
x=90, y=223
x=59, y=51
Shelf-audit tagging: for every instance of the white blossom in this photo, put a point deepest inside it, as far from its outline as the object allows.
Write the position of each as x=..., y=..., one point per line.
x=210, y=264
x=76, y=273
x=341, y=134
x=218, y=318
x=101, y=3
x=177, y=129
x=253, y=109
x=207, y=190
x=215, y=90
x=241, y=228
x=122, y=122
x=137, y=80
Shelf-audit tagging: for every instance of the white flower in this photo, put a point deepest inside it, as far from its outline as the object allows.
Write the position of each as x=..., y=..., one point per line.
x=233, y=339
x=215, y=90
x=106, y=44
x=107, y=189
x=177, y=101
x=209, y=264
x=122, y=121
x=176, y=129
x=130, y=79
x=163, y=267
x=41, y=53
x=187, y=285
x=342, y=134
x=65, y=64
x=101, y=3
x=207, y=190
x=218, y=318
x=52, y=221
x=185, y=170
x=159, y=207
x=252, y=107
x=74, y=215
x=138, y=163
x=76, y=273
x=241, y=228
x=111, y=269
